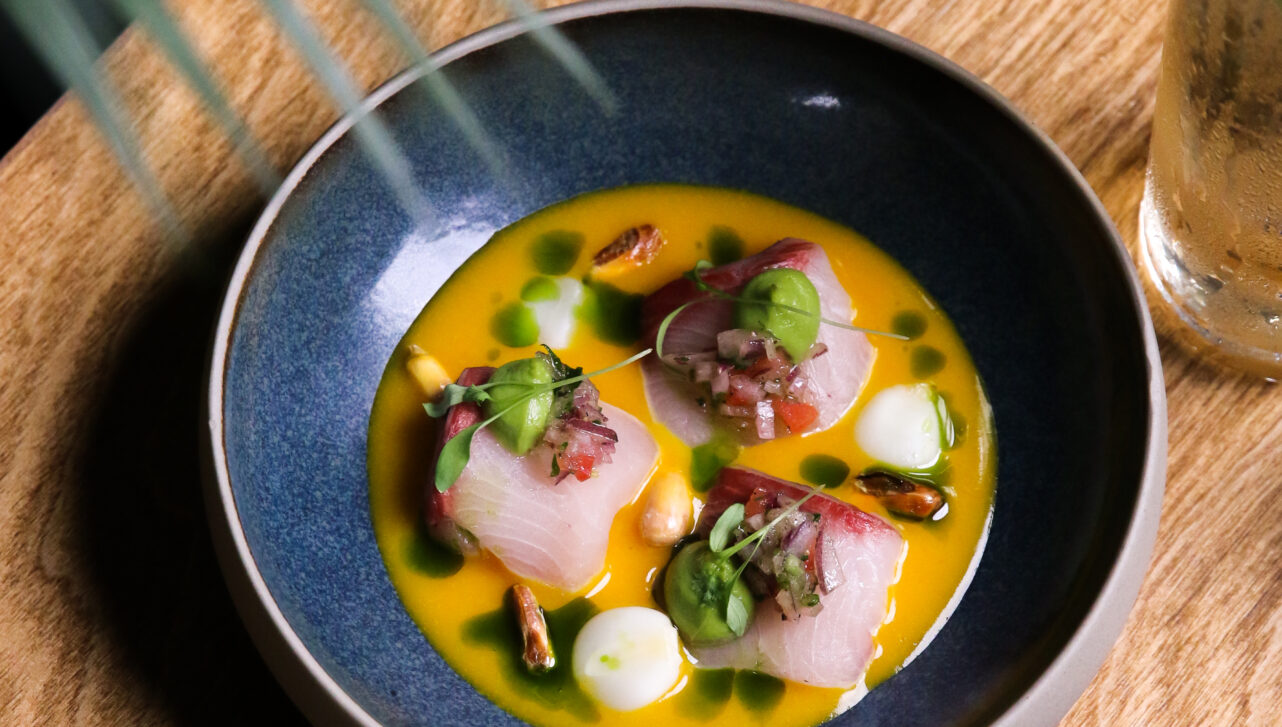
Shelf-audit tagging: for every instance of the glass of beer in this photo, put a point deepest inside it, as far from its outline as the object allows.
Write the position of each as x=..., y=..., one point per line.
x=1211, y=217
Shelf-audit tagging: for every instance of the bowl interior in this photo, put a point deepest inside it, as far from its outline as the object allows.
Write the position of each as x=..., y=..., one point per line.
x=842, y=124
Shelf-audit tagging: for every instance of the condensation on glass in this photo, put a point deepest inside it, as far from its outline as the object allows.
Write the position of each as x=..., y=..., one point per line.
x=1211, y=217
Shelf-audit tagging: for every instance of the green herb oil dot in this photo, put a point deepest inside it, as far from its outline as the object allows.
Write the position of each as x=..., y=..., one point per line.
x=724, y=245
x=758, y=692
x=707, y=460
x=539, y=288
x=707, y=693
x=514, y=325
x=555, y=252
x=555, y=688
x=908, y=323
x=430, y=557
x=614, y=314
x=926, y=361
x=824, y=470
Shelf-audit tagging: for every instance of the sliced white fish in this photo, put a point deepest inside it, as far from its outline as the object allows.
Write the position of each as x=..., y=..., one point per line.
x=836, y=377
x=834, y=647
x=553, y=533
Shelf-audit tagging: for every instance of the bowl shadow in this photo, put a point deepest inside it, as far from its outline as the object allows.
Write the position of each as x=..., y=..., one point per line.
x=141, y=518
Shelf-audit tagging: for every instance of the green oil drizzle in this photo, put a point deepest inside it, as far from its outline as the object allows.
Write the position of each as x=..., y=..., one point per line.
x=614, y=314
x=925, y=361
x=430, y=558
x=724, y=245
x=824, y=470
x=492, y=354
x=908, y=323
x=514, y=325
x=706, y=461
x=556, y=688
x=555, y=252
x=538, y=289
x=758, y=692
x=707, y=693
x=958, y=421
x=938, y=475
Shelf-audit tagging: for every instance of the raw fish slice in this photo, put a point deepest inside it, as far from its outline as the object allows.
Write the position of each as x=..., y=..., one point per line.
x=674, y=403
x=438, y=506
x=836, y=377
x=834, y=647
x=508, y=505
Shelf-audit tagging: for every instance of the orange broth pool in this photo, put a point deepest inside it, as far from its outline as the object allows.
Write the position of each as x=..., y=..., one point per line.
x=451, y=599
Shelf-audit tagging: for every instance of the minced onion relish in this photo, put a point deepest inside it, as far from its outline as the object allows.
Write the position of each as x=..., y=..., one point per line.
x=445, y=595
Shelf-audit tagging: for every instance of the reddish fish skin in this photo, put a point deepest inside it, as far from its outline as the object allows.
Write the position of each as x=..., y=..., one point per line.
x=834, y=647
x=436, y=505
x=731, y=277
x=736, y=484
x=836, y=378
x=553, y=533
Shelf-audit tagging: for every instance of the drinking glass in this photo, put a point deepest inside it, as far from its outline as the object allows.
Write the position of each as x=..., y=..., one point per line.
x=1211, y=216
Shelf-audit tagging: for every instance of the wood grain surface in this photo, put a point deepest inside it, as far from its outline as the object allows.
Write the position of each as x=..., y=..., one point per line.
x=112, y=610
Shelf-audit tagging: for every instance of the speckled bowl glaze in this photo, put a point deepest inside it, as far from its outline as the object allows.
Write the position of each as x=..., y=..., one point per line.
x=807, y=107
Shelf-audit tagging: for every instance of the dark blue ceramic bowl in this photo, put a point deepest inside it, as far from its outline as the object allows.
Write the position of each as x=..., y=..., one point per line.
x=809, y=108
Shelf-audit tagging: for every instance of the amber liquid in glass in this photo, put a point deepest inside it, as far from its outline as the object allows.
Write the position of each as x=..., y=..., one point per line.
x=1211, y=217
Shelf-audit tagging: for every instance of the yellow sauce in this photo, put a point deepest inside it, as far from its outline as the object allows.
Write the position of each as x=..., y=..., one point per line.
x=454, y=327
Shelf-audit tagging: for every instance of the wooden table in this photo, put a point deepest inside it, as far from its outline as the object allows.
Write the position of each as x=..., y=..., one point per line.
x=112, y=610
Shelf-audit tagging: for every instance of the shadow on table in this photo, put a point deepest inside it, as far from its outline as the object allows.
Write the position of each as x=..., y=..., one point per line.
x=142, y=517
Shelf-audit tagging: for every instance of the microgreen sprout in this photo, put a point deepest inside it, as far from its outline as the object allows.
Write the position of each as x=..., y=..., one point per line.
x=457, y=451
x=667, y=321
x=718, y=542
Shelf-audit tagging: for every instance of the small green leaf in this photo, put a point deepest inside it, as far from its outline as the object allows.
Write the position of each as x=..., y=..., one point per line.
x=456, y=452
x=760, y=533
x=454, y=394
x=736, y=616
x=729, y=520
x=454, y=457
x=560, y=370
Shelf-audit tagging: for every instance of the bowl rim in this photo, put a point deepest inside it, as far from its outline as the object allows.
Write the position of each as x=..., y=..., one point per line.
x=319, y=696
